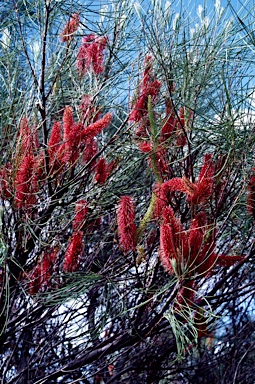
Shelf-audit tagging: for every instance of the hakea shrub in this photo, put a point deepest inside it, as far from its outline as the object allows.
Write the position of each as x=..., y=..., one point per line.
x=70, y=28
x=126, y=224
x=91, y=54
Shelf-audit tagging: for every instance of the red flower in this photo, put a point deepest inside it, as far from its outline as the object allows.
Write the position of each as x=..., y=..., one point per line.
x=71, y=27
x=96, y=128
x=27, y=139
x=126, y=223
x=91, y=54
x=81, y=211
x=73, y=252
x=148, y=87
x=197, y=192
x=68, y=122
x=54, y=145
x=169, y=125
x=167, y=248
x=26, y=183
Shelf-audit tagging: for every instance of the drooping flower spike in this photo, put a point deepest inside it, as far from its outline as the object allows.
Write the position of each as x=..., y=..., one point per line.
x=126, y=223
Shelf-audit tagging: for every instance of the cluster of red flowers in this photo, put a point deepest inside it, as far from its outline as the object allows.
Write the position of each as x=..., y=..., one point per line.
x=91, y=54
x=75, y=141
x=26, y=176
x=197, y=192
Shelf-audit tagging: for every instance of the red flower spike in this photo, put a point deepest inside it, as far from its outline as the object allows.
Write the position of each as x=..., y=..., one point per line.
x=34, y=280
x=26, y=183
x=168, y=127
x=161, y=162
x=55, y=137
x=70, y=28
x=81, y=211
x=91, y=54
x=28, y=141
x=167, y=250
x=101, y=172
x=54, y=142
x=96, y=128
x=73, y=253
x=45, y=272
x=173, y=185
x=143, y=129
x=126, y=223
x=148, y=87
x=197, y=192
x=207, y=170
x=160, y=201
x=205, y=181
x=67, y=122
x=180, y=239
x=196, y=237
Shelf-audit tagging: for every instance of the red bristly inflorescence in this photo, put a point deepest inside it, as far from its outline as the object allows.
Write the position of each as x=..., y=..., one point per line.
x=193, y=249
x=197, y=192
x=126, y=223
x=148, y=87
x=103, y=170
x=81, y=211
x=73, y=252
x=91, y=54
x=96, y=128
x=70, y=28
x=26, y=183
x=39, y=278
x=65, y=147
